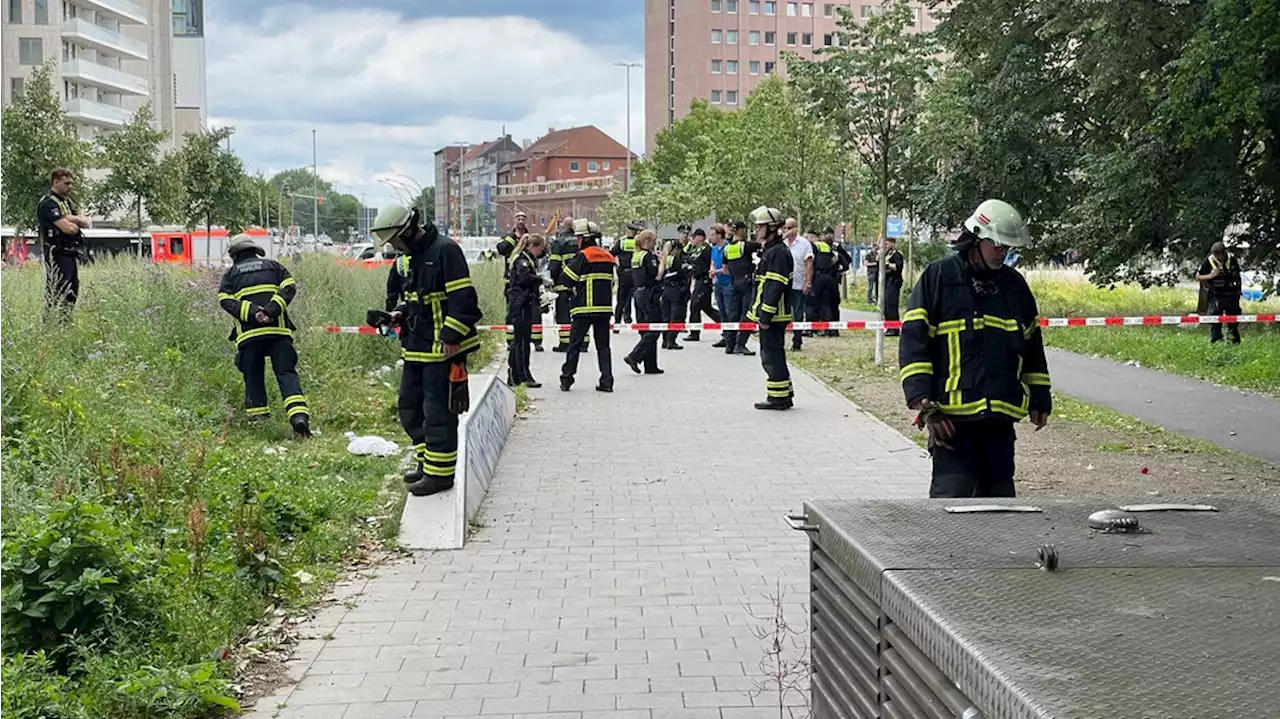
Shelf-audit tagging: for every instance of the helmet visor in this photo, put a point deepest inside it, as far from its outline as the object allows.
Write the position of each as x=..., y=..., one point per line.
x=391, y=236
x=1005, y=233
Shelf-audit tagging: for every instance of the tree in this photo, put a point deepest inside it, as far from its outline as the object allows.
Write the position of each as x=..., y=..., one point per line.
x=131, y=157
x=169, y=205
x=426, y=200
x=217, y=187
x=35, y=138
x=703, y=129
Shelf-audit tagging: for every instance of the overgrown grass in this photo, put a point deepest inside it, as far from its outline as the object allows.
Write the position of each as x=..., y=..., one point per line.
x=147, y=526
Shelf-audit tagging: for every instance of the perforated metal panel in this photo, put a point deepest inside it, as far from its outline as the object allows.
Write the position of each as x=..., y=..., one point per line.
x=921, y=613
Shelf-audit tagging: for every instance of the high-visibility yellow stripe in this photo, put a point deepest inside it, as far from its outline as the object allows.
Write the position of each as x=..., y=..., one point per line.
x=919, y=313
x=1017, y=411
x=999, y=323
x=1039, y=379
x=914, y=369
x=953, y=362
x=778, y=277
x=280, y=301
x=287, y=282
x=1031, y=328
x=440, y=456
x=254, y=411
x=469, y=343
x=458, y=284
x=225, y=296
x=590, y=310
x=263, y=332
x=295, y=398
x=778, y=393
x=297, y=409
x=257, y=289
x=782, y=383
x=438, y=470
x=244, y=311
x=965, y=409
x=456, y=325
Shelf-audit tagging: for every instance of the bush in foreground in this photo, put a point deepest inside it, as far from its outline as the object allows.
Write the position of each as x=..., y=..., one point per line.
x=146, y=525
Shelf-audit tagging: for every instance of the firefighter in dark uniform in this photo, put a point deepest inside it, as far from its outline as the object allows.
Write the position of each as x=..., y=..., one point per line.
x=892, y=268
x=563, y=250
x=826, y=291
x=396, y=275
x=701, y=301
x=590, y=274
x=771, y=309
x=645, y=271
x=622, y=251
x=437, y=332
x=675, y=287
x=256, y=292
x=739, y=253
x=1220, y=276
x=524, y=300
x=61, y=244
x=972, y=357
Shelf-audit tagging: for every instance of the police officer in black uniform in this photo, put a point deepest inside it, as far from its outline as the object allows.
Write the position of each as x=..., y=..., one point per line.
x=61, y=243
x=645, y=268
x=771, y=308
x=590, y=274
x=826, y=291
x=505, y=248
x=524, y=299
x=257, y=291
x=437, y=332
x=844, y=261
x=622, y=251
x=675, y=287
x=739, y=255
x=701, y=301
x=892, y=269
x=1220, y=275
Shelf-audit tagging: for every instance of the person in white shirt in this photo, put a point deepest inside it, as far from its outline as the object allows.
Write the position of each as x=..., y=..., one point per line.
x=801, y=274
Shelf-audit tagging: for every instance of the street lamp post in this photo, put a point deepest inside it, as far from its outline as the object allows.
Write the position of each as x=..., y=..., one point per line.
x=627, y=66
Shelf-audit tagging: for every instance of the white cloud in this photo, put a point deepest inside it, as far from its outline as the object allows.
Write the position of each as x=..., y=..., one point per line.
x=385, y=92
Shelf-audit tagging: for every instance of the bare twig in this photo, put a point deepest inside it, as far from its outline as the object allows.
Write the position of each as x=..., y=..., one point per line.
x=785, y=664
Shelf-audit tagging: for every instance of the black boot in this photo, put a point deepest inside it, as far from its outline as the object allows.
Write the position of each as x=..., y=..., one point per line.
x=603, y=387
x=537, y=347
x=720, y=345
x=746, y=351
x=779, y=404
x=428, y=486
x=633, y=363
x=565, y=383
x=694, y=336
x=532, y=383
x=301, y=426
x=560, y=348
x=414, y=474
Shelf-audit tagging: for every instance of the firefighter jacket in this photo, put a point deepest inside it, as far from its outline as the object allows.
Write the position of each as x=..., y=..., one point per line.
x=1227, y=284
x=396, y=276
x=773, y=284
x=255, y=283
x=444, y=308
x=590, y=275
x=524, y=289
x=824, y=259
x=563, y=248
x=623, y=250
x=644, y=268
x=971, y=342
x=737, y=257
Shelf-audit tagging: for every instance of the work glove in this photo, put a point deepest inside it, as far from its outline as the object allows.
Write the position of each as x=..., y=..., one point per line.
x=459, y=391
x=377, y=318
x=937, y=427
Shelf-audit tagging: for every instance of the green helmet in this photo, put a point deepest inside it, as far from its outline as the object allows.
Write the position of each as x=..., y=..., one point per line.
x=997, y=221
x=391, y=221
x=243, y=242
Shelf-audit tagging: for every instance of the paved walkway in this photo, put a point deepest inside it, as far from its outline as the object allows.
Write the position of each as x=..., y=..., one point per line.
x=1239, y=420
x=628, y=539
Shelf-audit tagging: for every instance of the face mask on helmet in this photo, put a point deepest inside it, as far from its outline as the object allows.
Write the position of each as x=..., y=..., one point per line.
x=399, y=236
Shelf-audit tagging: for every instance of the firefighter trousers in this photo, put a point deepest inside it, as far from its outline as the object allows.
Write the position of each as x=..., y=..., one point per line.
x=425, y=417
x=582, y=325
x=979, y=463
x=251, y=360
x=773, y=357
x=564, y=316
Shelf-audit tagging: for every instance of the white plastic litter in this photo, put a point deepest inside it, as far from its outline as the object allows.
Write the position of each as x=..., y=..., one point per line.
x=371, y=445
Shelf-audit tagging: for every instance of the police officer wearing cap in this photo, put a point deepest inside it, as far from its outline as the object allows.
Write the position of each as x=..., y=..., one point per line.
x=256, y=292
x=771, y=308
x=972, y=357
x=739, y=255
x=589, y=274
x=622, y=251
x=700, y=302
x=437, y=332
x=646, y=268
x=675, y=286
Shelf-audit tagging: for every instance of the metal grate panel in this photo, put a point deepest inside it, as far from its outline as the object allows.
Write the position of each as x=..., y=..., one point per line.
x=845, y=640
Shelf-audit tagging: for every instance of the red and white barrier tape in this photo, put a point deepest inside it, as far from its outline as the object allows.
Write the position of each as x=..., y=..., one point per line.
x=1147, y=320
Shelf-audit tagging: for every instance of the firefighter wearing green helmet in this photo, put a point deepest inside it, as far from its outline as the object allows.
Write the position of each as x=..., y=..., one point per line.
x=256, y=292
x=436, y=318
x=972, y=358
x=771, y=308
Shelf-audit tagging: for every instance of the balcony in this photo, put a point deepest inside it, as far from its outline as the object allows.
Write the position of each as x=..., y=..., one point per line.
x=100, y=38
x=122, y=10
x=587, y=185
x=91, y=73
x=96, y=113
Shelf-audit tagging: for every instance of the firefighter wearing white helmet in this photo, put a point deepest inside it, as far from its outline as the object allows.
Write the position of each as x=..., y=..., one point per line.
x=256, y=292
x=588, y=274
x=972, y=358
x=563, y=249
x=771, y=309
x=437, y=317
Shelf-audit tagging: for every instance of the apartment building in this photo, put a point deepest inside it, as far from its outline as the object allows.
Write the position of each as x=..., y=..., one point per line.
x=467, y=181
x=720, y=50
x=111, y=57
x=566, y=173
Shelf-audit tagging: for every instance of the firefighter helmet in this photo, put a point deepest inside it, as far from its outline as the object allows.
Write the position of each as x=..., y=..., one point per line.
x=593, y=229
x=241, y=243
x=997, y=222
x=766, y=216
x=581, y=226
x=391, y=221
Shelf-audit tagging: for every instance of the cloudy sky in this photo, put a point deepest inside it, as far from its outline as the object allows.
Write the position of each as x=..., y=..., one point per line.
x=388, y=83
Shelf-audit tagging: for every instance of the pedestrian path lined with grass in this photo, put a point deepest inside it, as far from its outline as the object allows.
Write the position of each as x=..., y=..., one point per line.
x=624, y=558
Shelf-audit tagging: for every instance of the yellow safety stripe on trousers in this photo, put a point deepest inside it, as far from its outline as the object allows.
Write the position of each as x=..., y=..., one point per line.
x=1038, y=379
x=280, y=301
x=263, y=332
x=914, y=369
x=440, y=457
x=294, y=398
x=458, y=284
x=244, y=310
x=456, y=325
x=297, y=409
x=564, y=335
x=435, y=469
x=784, y=393
x=419, y=451
x=255, y=411
x=778, y=384
x=537, y=336
x=286, y=282
x=469, y=343
x=257, y=289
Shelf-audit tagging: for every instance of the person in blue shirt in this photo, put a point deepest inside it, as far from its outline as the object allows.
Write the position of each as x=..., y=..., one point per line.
x=723, y=282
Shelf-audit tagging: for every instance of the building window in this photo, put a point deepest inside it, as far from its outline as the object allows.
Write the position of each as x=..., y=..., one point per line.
x=769, y=65
x=715, y=97
x=807, y=39
x=869, y=10
x=30, y=51
x=731, y=97
x=829, y=10
x=731, y=37
x=574, y=166
x=593, y=166
x=715, y=5
x=753, y=7
x=806, y=10
x=915, y=16
x=826, y=40
x=15, y=88
x=732, y=67
x=731, y=6
x=605, y=166
x=791, y=9
x=15, y=12
x=715, y=67
x=770, y=7
x=42, y=12
x=791, y=39
x=754, y=67
x=753, y=37
x=715, y=37
x=770, y=37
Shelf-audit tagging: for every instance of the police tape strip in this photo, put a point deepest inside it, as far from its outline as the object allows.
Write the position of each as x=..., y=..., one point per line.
x=1146, y=320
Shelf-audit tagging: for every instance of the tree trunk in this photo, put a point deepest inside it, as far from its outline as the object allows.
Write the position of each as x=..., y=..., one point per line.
x=880, y=258
x=140, y=252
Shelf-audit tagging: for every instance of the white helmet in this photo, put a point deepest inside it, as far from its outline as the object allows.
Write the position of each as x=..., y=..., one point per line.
x=998, y=222
x=581, y=226
x=391, y=221
x=763, y=215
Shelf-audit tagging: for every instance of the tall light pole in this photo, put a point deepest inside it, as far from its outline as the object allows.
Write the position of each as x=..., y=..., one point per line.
x=627, y=66
x=315, y=190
